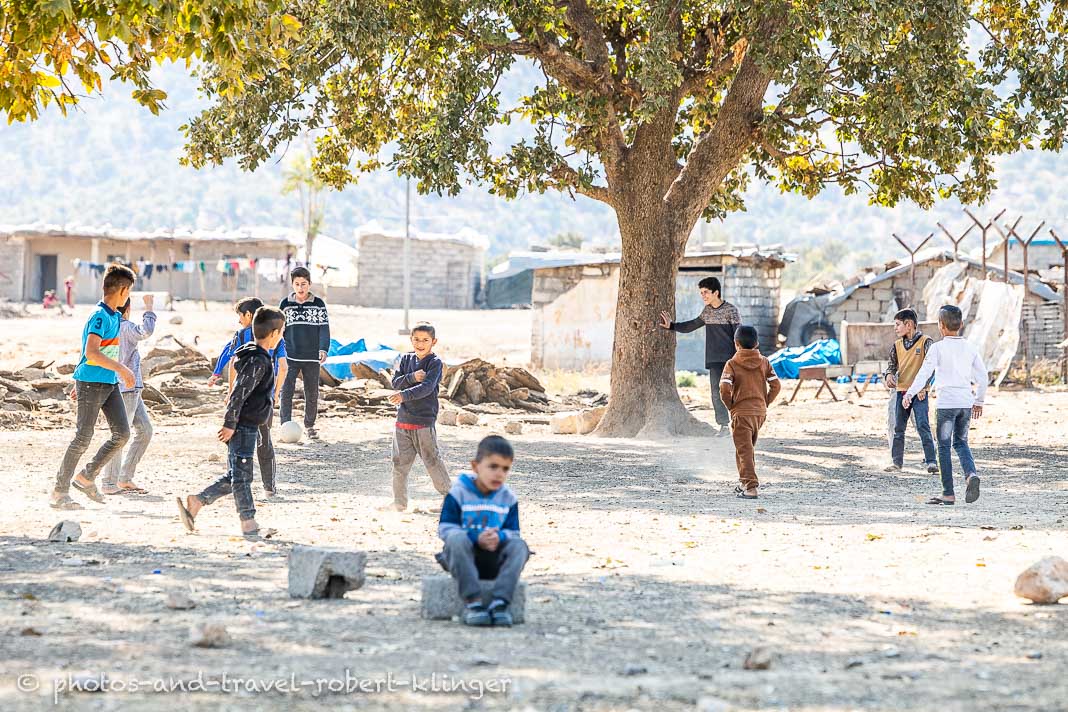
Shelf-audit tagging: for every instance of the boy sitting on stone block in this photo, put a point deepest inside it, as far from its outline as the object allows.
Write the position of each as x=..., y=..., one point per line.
x=480, y=527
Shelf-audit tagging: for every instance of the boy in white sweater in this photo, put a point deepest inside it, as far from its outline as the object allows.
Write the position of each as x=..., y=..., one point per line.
x=956, y=366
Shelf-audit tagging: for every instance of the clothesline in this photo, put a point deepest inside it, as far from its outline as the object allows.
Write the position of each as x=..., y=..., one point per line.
x=270, y=268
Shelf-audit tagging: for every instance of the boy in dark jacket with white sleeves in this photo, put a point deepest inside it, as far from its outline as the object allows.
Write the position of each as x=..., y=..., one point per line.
x=417, y=379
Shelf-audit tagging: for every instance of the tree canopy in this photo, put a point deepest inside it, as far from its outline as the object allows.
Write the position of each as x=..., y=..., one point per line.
x=912, y=101
x=56, y=51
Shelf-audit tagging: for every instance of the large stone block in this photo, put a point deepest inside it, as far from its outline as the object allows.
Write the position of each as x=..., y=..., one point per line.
x=441, y=598
x=324, y=573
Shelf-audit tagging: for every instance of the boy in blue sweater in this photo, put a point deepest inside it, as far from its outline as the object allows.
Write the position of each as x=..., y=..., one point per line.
x=417, y=379
x=480, y=527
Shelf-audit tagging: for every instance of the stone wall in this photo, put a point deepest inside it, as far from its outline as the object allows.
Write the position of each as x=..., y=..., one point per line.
x=755, y=289
x=1043, y=324
x=12, y=265
x=444, y=274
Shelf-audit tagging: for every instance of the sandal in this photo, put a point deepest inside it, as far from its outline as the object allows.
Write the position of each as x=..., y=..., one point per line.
x=264, y=533
x=184, y=515
x=110, y=489
x=63, y=502
x=89, y=490
x=939, y=500
x=131, y=488
x=743, y=495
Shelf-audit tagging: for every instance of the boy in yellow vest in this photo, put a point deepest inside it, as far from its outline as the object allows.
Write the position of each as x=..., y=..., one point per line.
x=906, y=357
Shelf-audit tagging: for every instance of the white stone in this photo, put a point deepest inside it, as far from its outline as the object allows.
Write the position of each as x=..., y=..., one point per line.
x=1045, y=581
x=441, y=598
x=514, y=428
x=180, y=601
x=65, y=531
x=324, y=573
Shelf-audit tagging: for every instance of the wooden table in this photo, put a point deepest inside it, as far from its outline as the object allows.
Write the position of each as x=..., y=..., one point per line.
x=814, y=373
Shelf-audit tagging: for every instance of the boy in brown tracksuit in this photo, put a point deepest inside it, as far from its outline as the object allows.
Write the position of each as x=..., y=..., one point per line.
x=748, y=387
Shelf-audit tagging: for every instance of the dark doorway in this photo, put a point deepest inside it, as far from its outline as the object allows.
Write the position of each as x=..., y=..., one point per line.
x=47, y=265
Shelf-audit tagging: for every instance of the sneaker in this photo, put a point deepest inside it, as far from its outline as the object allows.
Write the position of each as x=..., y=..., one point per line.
x=724, y=431
x=312, y=433
x=476, y=614
x=500, y=614
x=932, y=468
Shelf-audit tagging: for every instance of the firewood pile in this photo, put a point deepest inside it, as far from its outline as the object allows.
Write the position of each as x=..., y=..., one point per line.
x=477, y=382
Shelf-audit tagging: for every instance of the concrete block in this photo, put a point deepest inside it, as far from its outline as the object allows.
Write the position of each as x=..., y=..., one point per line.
x=66, y=531
x=324, y=573
x=441, y=598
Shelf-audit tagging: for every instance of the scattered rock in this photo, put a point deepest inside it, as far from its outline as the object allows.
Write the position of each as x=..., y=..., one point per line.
x=1030, y=656
x=31, y=632
x=66, y=369
x=1045, y=581
x=854, y=663
x=891, y=651
x=564, y=423
x=759, y=658
x=209, y=635
x=712, y=704
x=632, y=670
x=66, y=531
x=447, y=417
x=324, y=573
x=441, y=598
x=176, y=320
x=465, y=418
x=514, y=428
x=180, y=601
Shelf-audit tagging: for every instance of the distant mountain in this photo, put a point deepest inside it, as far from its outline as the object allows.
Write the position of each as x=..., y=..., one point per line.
x=113, y=162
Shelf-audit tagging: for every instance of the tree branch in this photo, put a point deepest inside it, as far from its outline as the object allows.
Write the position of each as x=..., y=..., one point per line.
x=718, y=151
x=567, y=177
x=698, y=81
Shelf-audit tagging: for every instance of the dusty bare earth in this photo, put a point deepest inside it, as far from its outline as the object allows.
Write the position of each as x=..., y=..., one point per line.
x=650, y=583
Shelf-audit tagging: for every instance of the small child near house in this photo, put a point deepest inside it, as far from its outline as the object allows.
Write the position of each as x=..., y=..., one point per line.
x=480, y=527
x=417, y=379
x=118, y=476
x=957, y=367
x=748, y=387
x=248, y=409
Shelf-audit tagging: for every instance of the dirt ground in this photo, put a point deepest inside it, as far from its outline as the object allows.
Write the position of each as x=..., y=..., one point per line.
x=649, y=585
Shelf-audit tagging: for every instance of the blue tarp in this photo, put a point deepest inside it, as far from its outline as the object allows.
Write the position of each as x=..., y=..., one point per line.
x=340, y=357
x=789, y=362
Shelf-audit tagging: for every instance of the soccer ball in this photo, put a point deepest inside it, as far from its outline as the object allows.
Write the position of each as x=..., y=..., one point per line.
x=290, y=432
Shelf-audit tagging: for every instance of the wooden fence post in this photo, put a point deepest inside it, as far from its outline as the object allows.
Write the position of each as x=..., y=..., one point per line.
x=1064, y=306
x=912, y=266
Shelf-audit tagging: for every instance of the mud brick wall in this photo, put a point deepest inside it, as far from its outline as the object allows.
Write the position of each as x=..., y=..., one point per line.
x=444, y=274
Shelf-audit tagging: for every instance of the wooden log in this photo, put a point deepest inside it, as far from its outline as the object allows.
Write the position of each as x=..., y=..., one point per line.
x=474, y=390
x=456, y=380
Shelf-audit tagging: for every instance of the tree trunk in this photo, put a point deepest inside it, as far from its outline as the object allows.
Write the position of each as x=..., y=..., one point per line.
x=644, y=401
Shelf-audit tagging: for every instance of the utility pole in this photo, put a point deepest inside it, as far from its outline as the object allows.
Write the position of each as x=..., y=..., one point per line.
x=407, y=255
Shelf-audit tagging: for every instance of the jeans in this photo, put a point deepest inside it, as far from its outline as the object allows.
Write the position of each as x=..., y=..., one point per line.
x=238, y=480
x=921, y=418
x=94, y=398
x=309, y=373
x=952, y=425
x=407, y=444
x=468, y=563
x=118, y=469
x=715, y=372
x=265, y=454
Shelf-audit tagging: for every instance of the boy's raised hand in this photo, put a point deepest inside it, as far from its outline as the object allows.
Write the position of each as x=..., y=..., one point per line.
x=489, y=540
x=419, y=376
x=665, y=320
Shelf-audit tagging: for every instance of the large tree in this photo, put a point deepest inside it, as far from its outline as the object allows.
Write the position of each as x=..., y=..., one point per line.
x=664, y=110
